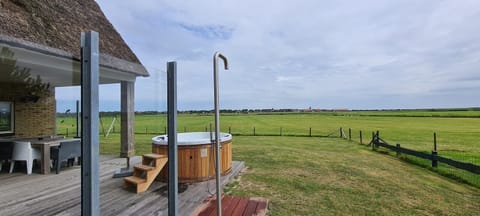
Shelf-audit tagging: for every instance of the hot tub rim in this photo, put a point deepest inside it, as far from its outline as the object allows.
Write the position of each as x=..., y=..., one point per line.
x=224, y=138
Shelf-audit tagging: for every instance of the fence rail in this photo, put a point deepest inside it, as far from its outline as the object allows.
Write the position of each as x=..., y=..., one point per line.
x=253, y=131
x=433, y=157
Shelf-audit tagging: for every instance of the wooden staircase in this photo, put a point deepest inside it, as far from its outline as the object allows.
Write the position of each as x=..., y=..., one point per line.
x=145, y=174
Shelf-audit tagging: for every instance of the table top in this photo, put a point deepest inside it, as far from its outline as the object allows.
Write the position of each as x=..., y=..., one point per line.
x=51, y=142
x=42, y=141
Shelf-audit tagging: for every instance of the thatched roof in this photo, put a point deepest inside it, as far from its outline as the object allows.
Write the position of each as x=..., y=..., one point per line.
x=45, y=24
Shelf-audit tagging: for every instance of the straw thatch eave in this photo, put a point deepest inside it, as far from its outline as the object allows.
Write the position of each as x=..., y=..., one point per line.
x=54, y=27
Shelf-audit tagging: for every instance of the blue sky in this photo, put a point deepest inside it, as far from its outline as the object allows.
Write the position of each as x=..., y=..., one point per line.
x=297, y=54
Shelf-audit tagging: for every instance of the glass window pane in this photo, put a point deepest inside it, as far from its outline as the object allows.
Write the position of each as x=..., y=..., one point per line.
x=29, y=80
x=6, y=116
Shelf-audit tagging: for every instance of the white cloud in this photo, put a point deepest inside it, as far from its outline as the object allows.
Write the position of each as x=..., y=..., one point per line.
x=287, y=78
x=356, y=54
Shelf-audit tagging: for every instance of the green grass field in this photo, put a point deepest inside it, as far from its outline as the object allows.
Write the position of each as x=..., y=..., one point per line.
x=329, y=176
x=333, y=176
x=458, y=137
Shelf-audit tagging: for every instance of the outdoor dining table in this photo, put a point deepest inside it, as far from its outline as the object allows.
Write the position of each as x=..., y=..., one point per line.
x=45, y=145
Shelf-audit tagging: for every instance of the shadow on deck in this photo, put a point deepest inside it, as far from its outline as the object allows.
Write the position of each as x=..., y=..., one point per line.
x=60, y=194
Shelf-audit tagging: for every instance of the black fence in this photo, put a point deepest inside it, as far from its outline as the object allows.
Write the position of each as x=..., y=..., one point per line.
x=466, y=172
x=252, y=131
x=433, y=156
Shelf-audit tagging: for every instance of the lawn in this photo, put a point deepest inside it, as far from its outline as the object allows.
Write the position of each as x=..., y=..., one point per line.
x=332, y=176
x=327, y=176
x=458, y=132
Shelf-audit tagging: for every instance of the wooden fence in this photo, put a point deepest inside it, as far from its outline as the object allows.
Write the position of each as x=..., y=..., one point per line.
x=433, y=156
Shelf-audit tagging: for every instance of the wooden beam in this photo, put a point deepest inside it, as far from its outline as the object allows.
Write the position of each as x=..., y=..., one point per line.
x=127, y=140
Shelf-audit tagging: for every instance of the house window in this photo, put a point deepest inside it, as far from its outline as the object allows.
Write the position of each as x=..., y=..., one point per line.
x=6, y=117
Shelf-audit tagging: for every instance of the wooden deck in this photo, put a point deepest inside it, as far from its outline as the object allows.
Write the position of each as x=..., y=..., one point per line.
x=234, y=206
x=60, y=194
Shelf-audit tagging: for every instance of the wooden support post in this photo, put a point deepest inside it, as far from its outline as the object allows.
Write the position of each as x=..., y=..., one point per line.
x=127, y=119
x=341, y=133
x=349, y=134
x=254, y=131
x=310, y=132
x=434, y=141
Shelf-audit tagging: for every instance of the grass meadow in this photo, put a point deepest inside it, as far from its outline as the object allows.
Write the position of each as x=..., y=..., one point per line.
x=458, y=132
x=320, y=175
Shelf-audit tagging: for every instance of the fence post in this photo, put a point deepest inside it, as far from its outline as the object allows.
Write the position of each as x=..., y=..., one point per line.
x=281, y=131
x=434, y=152
x=341, y=132
x=373, y=137
x=361, y=141
x=254, y=131
x=206, y=130
x=398, y=150
x=310, y=132
x=146, y=130
x=66, y=133
x=229, y=129
x=211, y=128
x=373, y=140
x=184, y=129
x=350, y=134
x=434, y=159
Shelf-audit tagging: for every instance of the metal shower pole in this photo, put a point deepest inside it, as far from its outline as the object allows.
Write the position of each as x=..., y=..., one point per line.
x=217, y=128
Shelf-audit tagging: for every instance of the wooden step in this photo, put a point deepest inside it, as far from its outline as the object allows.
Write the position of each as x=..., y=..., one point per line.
x=154, y=156
x=135, y=180
x=145, y=174
x=143, y=167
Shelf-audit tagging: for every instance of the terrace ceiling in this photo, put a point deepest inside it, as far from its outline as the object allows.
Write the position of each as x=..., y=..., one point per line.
x=45, y=36
x=56, y=70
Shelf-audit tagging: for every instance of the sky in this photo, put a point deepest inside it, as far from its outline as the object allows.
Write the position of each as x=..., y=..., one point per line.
x=299, y=54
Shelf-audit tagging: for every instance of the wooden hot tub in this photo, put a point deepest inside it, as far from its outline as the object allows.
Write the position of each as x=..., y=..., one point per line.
x=196, y=155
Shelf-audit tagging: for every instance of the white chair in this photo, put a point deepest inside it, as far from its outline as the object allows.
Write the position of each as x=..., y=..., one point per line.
x=23, y=151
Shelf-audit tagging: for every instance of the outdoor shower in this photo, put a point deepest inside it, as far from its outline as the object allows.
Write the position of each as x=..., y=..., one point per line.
x=217, y=127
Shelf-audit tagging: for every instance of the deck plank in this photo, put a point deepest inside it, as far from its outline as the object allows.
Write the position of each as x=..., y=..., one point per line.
x=250, y=208
x=232, y=205
x=54, y=194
